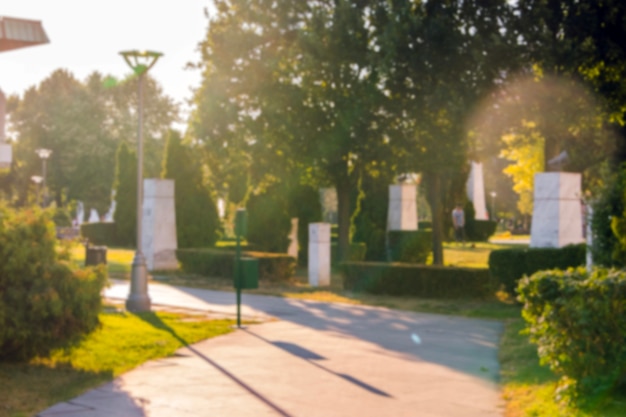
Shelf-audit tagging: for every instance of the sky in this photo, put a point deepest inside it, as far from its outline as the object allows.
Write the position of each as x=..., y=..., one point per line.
x=87, y=36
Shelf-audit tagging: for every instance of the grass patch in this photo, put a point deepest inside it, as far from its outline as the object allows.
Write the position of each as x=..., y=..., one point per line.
x=529, y=388
x=119, y=260
x=123, y=342
x=470, y=255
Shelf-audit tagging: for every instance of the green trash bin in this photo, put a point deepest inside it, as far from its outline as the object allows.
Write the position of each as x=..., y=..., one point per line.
x=249, y=273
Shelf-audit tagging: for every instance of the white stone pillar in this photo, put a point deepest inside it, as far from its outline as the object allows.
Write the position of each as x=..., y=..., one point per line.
x=292, y=250
x=557, y=217
x=402, y=213
x=159, y=241
x=476, y=190
x=319, y=254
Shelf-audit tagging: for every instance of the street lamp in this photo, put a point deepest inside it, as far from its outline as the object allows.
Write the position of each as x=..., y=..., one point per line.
x=138, y=300
x=44, y=154
x=37, y=179
x=493, y=204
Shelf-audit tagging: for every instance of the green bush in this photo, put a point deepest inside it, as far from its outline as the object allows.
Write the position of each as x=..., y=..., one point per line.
x=424, y=224
x=45, y=302
x=62, y=217
x=417, y=280
x=100, y=233
x=305, y=204
x=578, y=321
x=219, y=263
x=356, y=254
x=509, y=265
x=410, y=246
x=480, y=230
x=269, y=222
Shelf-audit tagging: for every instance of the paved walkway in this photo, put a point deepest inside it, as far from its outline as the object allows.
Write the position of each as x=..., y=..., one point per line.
x=316, y=359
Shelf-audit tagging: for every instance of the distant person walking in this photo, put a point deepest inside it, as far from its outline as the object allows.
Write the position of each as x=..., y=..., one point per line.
x=458, y=221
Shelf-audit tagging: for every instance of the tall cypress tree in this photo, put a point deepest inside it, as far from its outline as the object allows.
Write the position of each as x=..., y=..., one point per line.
x=197, y=220
x=125, y=186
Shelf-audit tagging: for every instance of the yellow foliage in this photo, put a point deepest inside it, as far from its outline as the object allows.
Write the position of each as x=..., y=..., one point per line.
x=525, y=149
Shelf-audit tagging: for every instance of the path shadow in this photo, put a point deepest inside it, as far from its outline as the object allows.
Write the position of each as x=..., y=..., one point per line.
x=157, y=323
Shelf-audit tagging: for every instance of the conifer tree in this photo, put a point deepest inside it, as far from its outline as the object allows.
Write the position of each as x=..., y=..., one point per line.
x=125, y=216
x=197, y=220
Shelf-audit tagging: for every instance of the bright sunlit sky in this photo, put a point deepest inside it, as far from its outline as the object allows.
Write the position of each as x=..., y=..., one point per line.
x=87, y=36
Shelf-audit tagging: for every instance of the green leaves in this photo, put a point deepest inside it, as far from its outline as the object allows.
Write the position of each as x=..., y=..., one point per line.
x=578, y=321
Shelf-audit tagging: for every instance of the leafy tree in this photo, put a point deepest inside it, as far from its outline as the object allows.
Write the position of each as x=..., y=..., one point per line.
x=125, y=186
x=291, y=80
x=269, y=222
x=439, y=59
x=83, y=123
x=197, y=220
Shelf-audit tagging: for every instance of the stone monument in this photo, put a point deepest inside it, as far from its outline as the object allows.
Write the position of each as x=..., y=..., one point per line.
x=158, y=241
x=292, y=250
x=557, y=210
x=319, y=254
x=476, y=191
x=402, y=213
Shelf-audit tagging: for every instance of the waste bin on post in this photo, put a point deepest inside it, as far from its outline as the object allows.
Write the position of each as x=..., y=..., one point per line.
x=95, y=255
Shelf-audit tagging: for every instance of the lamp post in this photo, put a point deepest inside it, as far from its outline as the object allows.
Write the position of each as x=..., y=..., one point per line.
x=493, y=204
x=138, y=300
x=44, y=154
x=37, y=179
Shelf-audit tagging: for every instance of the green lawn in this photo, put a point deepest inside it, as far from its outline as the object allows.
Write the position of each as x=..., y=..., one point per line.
x=123, y=342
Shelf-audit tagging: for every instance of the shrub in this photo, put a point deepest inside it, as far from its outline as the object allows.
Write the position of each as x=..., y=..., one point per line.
x=219, y=263
x=509, y=265
x=424, y=224
x=304, y=202
x=62, y=217
x=417, y=280
x=45, y=302
x=410, y=246
x=356, y=254
x=578, y=321
x=197, y=219
x=480, y=230
x=269, y=223
x=100, y=233
x=371, y=220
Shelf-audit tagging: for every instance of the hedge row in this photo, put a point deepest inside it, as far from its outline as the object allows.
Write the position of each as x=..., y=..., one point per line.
x=578, y=321
x=509, y=265
x=417, y=280
x=220, y=263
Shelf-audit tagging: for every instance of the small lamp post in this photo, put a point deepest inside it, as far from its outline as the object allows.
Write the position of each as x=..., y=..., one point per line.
x=138, y=300
x=493, y=204
x=44, y=154
x=37, y=179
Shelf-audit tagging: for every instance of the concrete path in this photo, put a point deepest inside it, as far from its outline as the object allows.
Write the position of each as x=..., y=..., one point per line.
x=316, y=359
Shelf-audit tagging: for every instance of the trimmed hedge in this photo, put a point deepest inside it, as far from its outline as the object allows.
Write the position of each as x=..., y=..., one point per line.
x=410, y=246
x=100, y=233
x=417, y=280
x=480, y=230
x=578, y=321
x=220, y=263
x=508, y=266
x=356, y=254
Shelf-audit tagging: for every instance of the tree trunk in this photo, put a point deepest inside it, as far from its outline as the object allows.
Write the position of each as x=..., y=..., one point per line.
x=434, y=194
x=343, y=203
